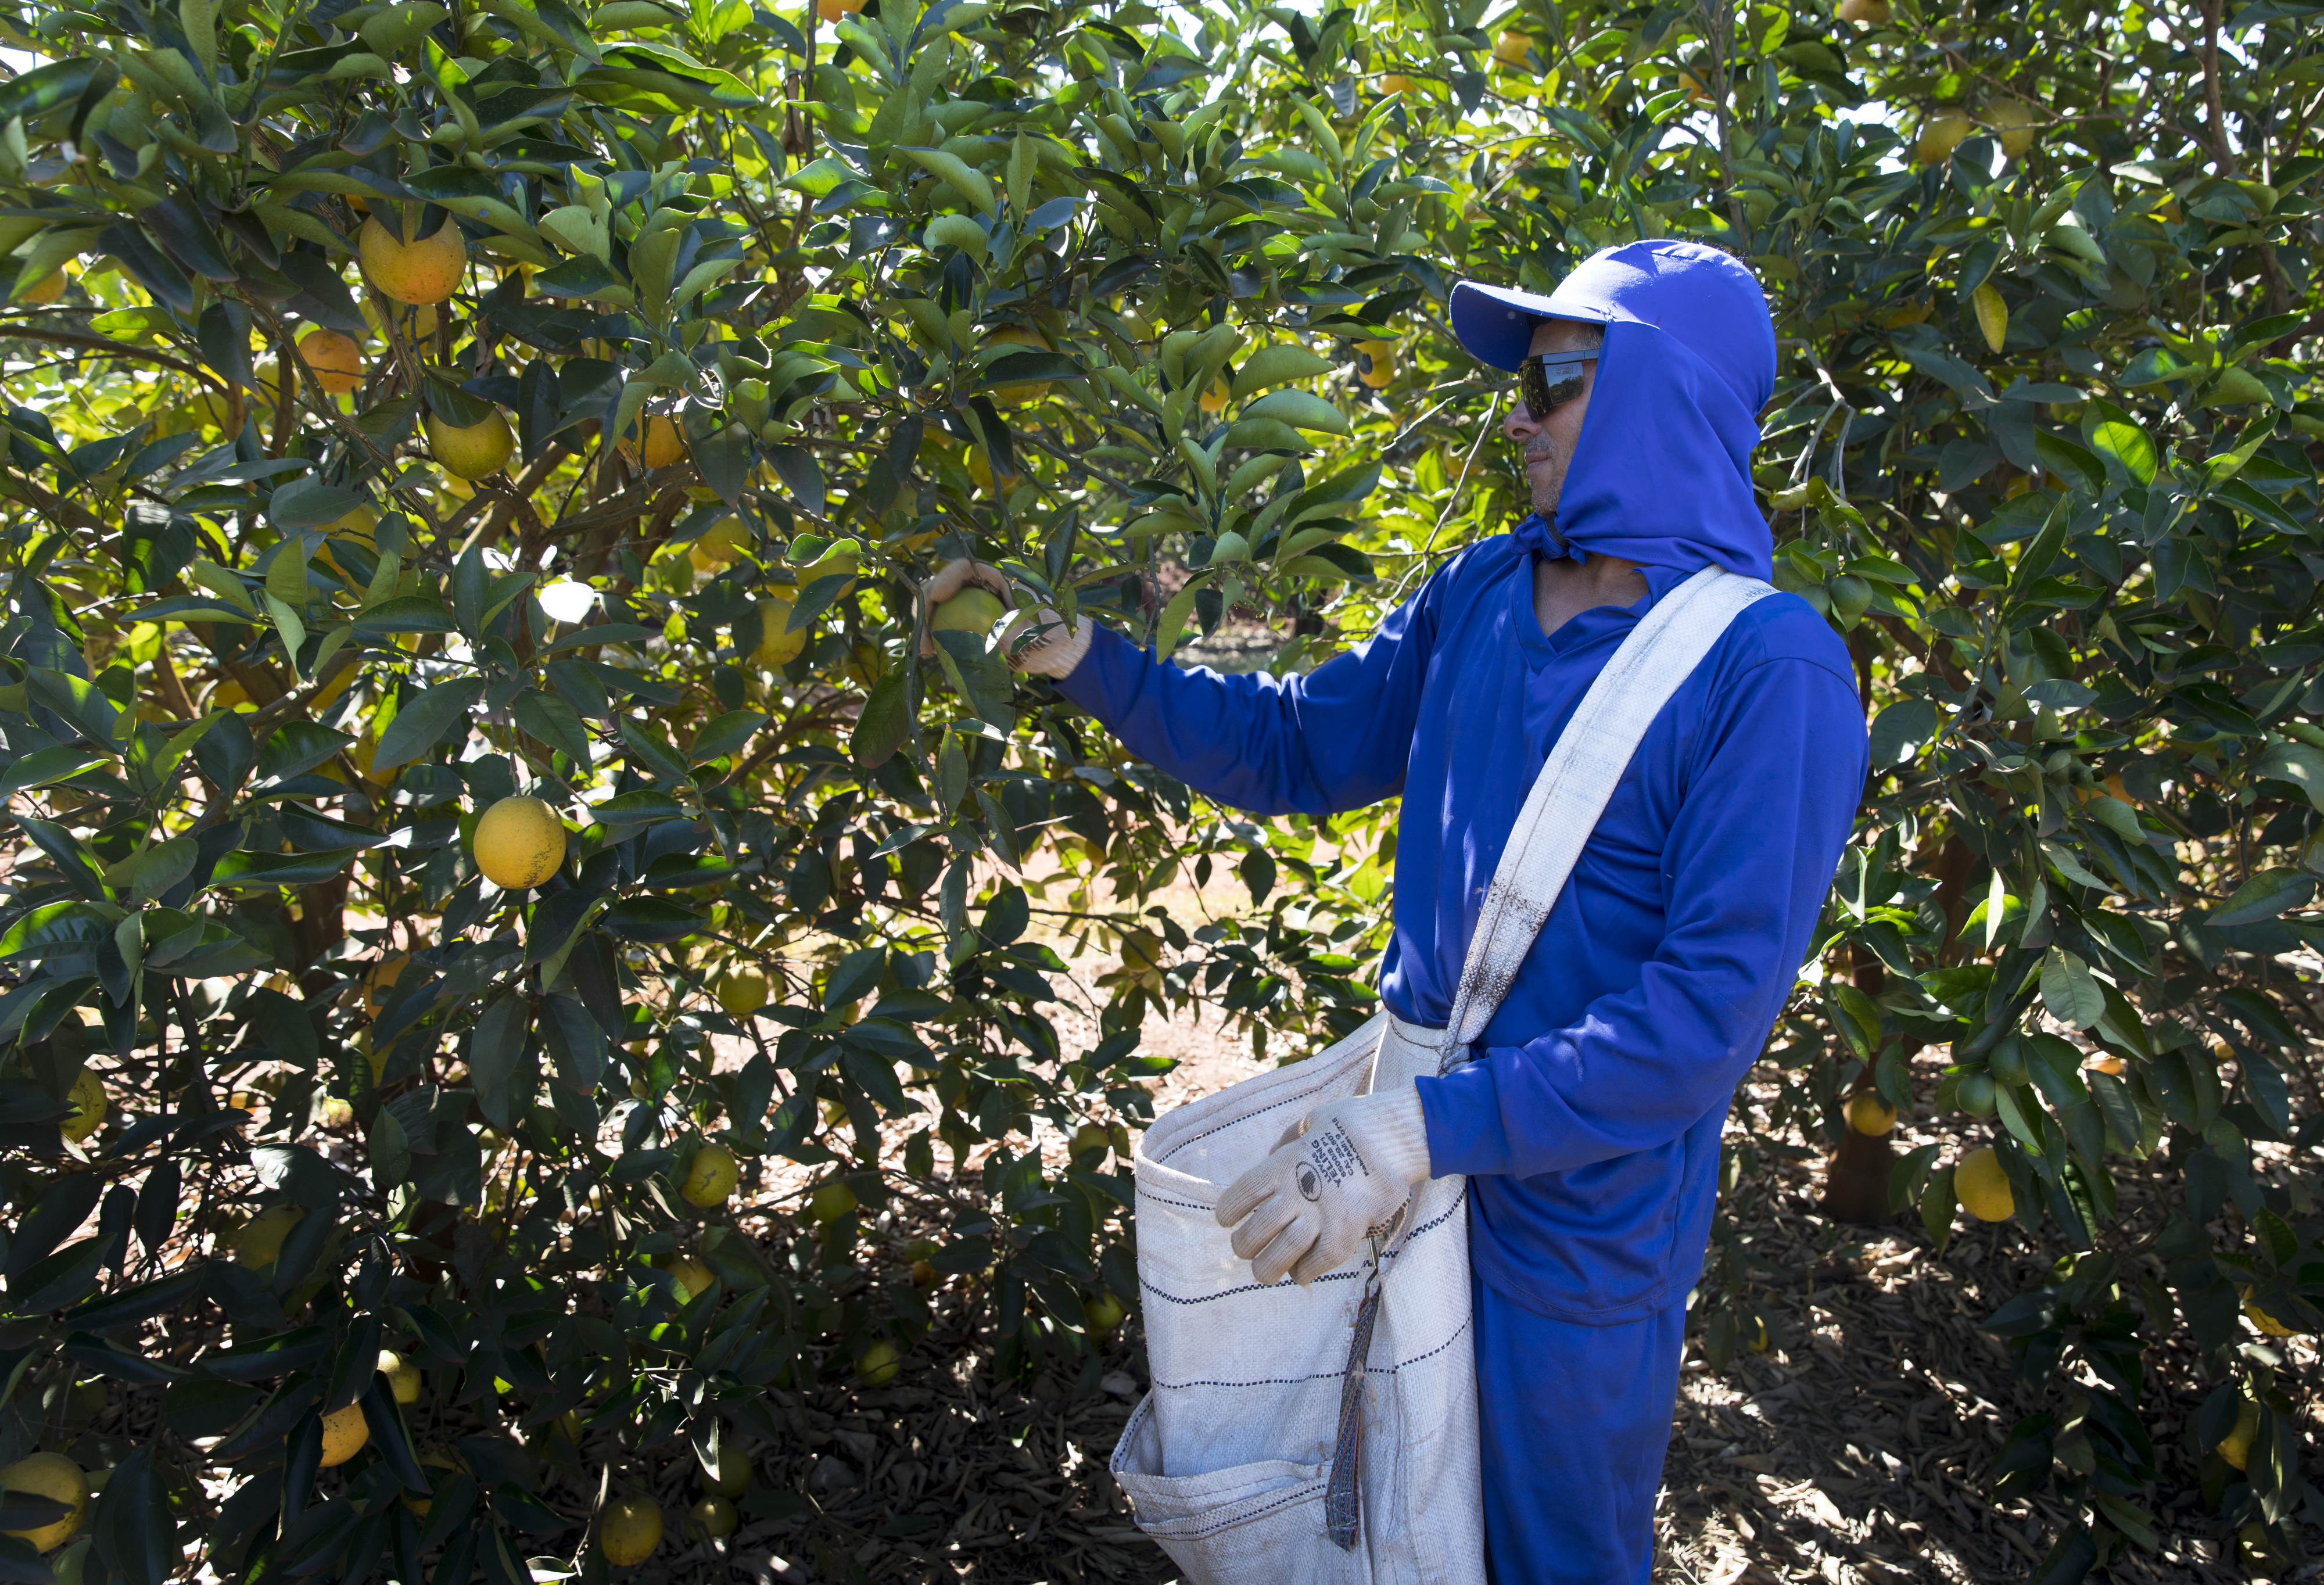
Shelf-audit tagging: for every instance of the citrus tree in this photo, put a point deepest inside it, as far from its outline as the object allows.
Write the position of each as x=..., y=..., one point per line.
x=516, y=908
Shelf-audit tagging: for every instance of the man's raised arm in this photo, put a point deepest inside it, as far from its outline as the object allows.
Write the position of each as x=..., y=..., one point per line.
x=1338, y=738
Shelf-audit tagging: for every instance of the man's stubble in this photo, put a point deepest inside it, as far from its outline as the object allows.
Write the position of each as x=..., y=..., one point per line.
x=1549, y=482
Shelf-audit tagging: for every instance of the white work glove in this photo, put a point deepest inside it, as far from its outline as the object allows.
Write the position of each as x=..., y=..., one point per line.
x=1340, y=1177
x=1053, y=654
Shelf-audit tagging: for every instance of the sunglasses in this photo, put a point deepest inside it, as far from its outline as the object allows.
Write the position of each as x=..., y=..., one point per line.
x=1547, y=381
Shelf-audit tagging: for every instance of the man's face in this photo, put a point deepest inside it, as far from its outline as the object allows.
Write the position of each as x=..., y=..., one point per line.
x=1548, y=445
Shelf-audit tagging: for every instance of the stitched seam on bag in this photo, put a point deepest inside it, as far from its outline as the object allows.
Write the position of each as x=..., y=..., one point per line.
x=1406, y=1364
x=1248, y=1287
x=1462, y=1332
x=1175, y=1532
x=1236, y=1121
x=1332, y=1375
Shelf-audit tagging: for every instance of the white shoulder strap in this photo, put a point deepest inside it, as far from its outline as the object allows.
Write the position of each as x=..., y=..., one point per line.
x=1581, y=774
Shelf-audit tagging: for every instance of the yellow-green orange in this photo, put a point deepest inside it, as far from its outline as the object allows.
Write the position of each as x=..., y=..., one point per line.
x=711, y=1177
x=2013, y=121
x=382, y=979
x=427, y=271
x=360, y=525
x=713, y=1516
x=733, y=1476
x=334, y=360
x=1380, y=362
x=471, y=451
x=980, y=468
x=877, y=1365
x=839, y=560
x=1868, y=1114
x=88, y=1107
x=779, y=643
x=403, y=1375
x=974, y=610
x=520, y=843
x=1982, y=1187
x=742, y=992
x=718, y=544
x=630, y=1530
x=829, y=1203
x=345, y=1433
x=58, y=1478
x=1509, y=49
x=1018, y=336
x=693, y=1277
x=1103, y=1313
x=1941, y=136
x=664, y=443
x=261, y=1238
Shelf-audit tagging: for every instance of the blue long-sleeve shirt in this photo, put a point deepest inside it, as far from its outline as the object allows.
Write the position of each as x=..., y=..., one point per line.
x=1590, y=1120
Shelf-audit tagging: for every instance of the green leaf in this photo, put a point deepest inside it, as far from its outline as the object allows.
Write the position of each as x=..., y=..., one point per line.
x=1301, y=410
x=553, y=721
x=1276, y=364
x=2069, y=992
x=47, y=768
x=134, y=1527
x=972, y=185
x=723, y=736
x=2301, y=764
x=495, y=1050
x=2114, y=433
x=407, y=613
x=884, y=723
x=423, y=723
x=2265, y=896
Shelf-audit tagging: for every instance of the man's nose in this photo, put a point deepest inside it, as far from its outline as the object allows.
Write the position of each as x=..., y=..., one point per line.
x=1520, y=425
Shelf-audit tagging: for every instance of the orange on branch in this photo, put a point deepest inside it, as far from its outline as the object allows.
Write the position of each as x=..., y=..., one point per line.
x=520, y=843
x=426, y=271
x=335, y=360
x=471, y=451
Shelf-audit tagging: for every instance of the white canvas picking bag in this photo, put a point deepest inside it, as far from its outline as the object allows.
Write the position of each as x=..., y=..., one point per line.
x=1329, y=1433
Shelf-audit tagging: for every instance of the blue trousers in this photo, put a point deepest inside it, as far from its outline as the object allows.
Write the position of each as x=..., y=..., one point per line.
x=1574, y=1422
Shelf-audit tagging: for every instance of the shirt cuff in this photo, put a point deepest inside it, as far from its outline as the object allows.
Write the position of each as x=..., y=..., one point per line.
x=1463, y=1116
x=1396, y=1137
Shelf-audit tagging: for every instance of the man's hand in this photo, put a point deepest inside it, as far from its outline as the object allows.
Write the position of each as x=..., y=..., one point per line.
x=1347, y=1171
x=1054, y=653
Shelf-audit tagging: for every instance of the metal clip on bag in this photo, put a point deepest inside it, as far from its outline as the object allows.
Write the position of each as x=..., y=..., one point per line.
x=1329, y=1434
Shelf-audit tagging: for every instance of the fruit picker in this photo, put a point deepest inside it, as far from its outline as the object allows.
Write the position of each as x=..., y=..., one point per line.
x=1589, y=1116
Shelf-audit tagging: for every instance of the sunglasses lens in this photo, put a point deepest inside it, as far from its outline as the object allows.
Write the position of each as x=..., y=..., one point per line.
x=1543, y=396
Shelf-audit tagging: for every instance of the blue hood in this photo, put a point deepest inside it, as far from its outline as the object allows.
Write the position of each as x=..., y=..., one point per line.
x=1662, y=471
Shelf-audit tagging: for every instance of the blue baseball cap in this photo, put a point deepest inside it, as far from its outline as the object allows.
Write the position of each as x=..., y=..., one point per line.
x=1703, y=297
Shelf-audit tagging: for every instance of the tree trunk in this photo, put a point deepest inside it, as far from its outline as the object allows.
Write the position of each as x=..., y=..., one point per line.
x=1855, y=1189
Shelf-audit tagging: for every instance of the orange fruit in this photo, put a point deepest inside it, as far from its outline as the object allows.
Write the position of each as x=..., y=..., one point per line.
x=335, y=360
x=520, y=843
x=427, y=271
